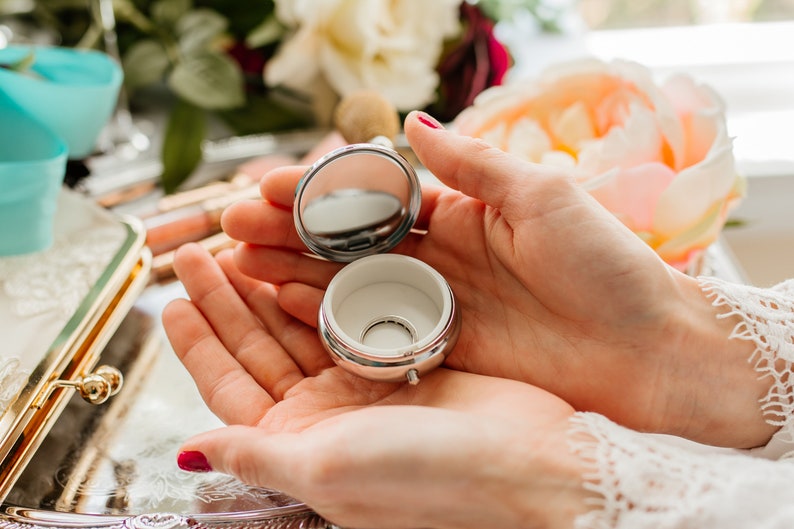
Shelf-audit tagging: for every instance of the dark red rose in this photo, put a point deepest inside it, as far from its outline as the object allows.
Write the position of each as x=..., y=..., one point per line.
x=252, y=63
x=475, y=62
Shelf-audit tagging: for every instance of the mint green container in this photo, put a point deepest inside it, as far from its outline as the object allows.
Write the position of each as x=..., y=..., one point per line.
x=71, y=91
x=32, y=167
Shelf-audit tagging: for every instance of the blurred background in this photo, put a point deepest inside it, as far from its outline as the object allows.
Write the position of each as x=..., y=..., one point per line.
x=742, y=48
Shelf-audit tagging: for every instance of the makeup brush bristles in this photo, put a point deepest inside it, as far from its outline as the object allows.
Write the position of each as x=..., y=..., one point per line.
x=365, y=115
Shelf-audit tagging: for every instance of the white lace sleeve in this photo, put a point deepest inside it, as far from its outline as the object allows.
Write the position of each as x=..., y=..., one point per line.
x=653, y=481
x=650, y=482
x=767, y=320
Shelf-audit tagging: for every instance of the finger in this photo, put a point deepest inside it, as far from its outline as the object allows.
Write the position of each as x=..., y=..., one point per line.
x=484, y=172
x=222, y=382
x=271, y=461
x=278, y=186
x=301, y=301
x=238, y=329
x=261, y=223
x=279, y=266
x=298, y=340
x=430, y=197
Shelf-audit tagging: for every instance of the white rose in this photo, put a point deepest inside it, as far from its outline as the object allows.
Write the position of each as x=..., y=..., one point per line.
x=391, y=47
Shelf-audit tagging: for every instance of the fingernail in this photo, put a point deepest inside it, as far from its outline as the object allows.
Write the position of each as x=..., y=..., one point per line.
x=428, y=120
x=193, y=461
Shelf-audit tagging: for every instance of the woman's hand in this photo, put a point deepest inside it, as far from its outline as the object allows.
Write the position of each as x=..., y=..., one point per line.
x=553, y=289
x=458, y=450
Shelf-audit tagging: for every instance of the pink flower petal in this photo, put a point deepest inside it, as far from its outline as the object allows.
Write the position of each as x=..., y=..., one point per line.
x=632, y=193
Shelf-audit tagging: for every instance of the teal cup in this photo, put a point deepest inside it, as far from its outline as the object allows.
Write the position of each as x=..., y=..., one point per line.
x=72, y=92
x=32, y=167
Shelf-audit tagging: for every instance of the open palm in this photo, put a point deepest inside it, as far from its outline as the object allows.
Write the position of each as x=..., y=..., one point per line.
x=266, y=374
x=256, y=365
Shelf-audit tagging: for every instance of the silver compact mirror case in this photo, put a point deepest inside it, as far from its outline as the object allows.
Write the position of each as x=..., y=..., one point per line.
x=384, y=317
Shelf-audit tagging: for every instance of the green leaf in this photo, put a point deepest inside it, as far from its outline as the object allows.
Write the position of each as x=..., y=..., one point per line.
x=268, y=32
x=198, y=28
x=145, y=63
x=209, y=80
x=186, y=129
x=168, y=12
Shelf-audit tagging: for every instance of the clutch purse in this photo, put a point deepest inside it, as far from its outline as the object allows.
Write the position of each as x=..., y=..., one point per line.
x=58, y=309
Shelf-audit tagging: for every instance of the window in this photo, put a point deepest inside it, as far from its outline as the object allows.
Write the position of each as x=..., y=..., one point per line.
x=744, y=49
x=622, y=14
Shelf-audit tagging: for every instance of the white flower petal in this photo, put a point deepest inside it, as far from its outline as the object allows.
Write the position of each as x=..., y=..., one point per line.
x=573, y=126
x=391, y=47
x=558, y=159
x=528, y=140
x=295, y=64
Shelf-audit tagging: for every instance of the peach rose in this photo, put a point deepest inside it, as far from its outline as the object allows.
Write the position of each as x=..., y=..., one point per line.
x=657, y=156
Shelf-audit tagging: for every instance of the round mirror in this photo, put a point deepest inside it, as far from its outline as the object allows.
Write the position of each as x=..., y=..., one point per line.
x=358, y=200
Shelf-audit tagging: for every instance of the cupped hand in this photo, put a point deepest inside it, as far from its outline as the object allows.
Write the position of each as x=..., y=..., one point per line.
x=458, y=450
x=553, y=290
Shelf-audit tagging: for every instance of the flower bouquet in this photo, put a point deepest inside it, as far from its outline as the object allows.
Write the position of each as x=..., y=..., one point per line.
x=279, y=65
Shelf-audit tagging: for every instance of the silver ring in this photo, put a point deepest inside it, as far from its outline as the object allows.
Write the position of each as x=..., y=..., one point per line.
x=384, y=320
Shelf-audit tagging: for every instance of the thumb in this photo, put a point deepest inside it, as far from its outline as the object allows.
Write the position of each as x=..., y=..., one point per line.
x=245, y=452
x=480, y=170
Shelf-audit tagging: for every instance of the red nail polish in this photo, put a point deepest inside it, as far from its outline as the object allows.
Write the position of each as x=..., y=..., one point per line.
x=429, y=121
x=193, y=461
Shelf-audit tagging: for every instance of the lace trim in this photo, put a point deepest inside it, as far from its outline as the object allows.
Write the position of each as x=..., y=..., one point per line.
x=633, y=475
x=12, y=379
x=649, y=481
x=768, y=321
x=655, y=481
x=59, y=278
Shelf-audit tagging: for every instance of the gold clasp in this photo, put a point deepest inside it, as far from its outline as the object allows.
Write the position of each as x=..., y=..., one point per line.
x=96, y=387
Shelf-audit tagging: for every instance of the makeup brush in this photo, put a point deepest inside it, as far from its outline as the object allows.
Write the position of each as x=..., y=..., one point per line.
x=366, y=116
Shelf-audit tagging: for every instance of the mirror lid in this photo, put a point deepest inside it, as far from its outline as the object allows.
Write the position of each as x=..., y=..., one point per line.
x=358, y=200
